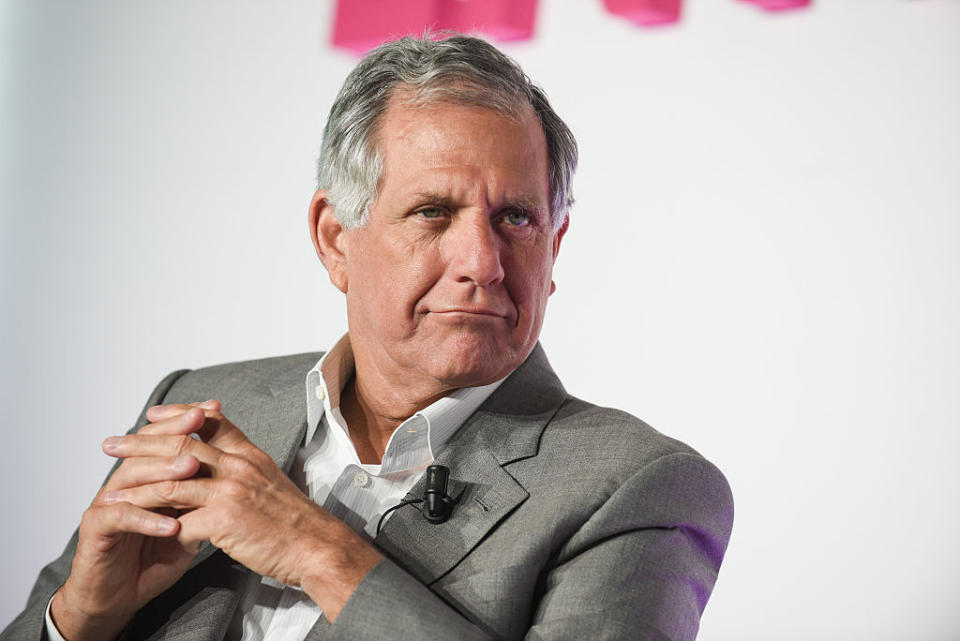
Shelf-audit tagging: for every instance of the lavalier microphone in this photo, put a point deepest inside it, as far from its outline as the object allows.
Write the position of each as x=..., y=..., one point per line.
x=437, y=504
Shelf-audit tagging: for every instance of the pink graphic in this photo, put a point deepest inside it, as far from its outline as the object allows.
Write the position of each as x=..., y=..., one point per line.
x=779, y=5
x=361, y=25
x=646, y=13
x=499, y=19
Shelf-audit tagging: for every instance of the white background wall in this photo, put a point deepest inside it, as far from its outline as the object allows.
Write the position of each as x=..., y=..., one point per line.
x=763, y=262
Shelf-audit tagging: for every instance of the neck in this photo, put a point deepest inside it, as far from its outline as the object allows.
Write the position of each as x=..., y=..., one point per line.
x=372, y=417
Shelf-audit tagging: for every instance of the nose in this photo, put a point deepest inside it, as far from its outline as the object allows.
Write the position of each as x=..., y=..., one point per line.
x=474, y=252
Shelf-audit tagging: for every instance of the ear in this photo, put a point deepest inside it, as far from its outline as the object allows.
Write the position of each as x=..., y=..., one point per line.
x=557, y=237
x=559, y=234
x=329, y=238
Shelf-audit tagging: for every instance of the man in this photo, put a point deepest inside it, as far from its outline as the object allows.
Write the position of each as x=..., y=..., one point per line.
x=444, y=188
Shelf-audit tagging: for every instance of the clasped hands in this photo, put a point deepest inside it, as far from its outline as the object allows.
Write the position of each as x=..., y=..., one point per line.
x=171, y=493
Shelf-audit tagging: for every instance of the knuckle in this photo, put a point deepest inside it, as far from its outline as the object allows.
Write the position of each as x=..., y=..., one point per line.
x=234, y=489
x=91, y=518
x=242, y=466
x=136, y=520
x=167, y=489
x=183, y=444
x=115, y=515
x=132, y=519
x=258, y=457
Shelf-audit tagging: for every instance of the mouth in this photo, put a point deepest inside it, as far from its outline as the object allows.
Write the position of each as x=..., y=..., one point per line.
x=469, y=311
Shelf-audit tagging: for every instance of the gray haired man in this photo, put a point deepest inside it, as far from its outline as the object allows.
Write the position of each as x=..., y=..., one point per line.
x=444, y=189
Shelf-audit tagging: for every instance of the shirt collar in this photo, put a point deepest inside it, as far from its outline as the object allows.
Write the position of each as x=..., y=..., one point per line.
x=420, y=437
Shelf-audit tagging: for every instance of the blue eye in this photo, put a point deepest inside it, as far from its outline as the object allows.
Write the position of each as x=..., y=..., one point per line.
x=517, y=218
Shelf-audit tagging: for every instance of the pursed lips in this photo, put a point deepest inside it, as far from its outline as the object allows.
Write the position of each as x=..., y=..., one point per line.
x=464, y=310
x=471, y=311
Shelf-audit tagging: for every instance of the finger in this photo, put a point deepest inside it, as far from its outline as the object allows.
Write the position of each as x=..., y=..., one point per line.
x=189, y=493
x=189, y=420
x=162, y=412
x=201, y=525
x=143, y=470
x=107, y=520
x=195, y=528
x=163, y=446
x=213, y=427
x=218, y=431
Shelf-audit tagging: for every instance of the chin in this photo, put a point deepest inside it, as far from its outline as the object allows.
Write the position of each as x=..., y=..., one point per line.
x=475, y=360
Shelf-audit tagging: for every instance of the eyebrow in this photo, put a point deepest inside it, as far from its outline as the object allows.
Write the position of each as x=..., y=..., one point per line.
x=434, y=198
x=522, y=203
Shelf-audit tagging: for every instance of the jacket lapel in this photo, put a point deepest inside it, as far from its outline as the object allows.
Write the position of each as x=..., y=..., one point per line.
x=506, y=428
x=280, y=426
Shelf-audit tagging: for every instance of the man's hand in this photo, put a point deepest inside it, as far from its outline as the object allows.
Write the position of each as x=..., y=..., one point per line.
x=242, y=503
x=126, y=555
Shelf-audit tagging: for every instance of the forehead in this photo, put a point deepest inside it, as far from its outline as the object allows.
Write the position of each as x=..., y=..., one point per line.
x=462, y=147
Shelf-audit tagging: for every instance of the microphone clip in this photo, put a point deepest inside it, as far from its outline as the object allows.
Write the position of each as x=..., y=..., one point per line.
x=437, y=505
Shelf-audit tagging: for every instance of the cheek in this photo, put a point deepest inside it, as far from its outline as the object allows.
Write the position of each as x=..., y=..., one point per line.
x=393, y=279
x=529, y=286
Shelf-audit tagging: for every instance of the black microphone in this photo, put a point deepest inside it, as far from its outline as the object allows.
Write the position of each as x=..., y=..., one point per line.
x=437, y=504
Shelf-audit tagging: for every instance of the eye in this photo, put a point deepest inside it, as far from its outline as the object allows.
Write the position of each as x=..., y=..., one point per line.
x=516, y=218
x=430, y=212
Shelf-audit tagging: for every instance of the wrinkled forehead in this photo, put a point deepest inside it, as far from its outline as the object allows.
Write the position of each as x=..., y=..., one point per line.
x=466, y=152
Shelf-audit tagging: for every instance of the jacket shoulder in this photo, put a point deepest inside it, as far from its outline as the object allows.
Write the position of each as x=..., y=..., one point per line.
x=606, y=433
x=621, y=470
x=242, y=377
x=272, y=365
x=598, y=452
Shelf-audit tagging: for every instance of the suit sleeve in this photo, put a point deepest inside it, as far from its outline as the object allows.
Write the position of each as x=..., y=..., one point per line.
x=641, y=567
x=30, y=624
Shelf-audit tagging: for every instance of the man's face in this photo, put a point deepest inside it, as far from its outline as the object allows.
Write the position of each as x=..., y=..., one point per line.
x=449, y=279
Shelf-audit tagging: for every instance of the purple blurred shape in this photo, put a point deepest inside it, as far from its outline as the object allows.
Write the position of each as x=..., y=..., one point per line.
x=361, y=25
x=779, y=5
x=646, y=13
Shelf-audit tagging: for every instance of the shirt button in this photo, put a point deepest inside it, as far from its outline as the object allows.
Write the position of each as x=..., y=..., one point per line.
x=360, y=478
x=321, y=394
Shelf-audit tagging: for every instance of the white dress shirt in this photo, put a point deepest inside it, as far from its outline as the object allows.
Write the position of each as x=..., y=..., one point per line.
x=328, y=469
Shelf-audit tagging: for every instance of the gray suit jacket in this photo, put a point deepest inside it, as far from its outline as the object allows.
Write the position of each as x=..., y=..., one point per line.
x=572, y=522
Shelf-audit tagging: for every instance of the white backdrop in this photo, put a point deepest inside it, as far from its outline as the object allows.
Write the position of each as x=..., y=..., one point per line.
x=763, y=262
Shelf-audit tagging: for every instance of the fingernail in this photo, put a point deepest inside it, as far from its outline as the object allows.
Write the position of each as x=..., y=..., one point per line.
x=181, y=463
x=166, y=525
x=112, y=443
x=208, y=405
x=111, y=497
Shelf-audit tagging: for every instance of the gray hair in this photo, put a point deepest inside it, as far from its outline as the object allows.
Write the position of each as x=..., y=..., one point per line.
x=459, y=70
